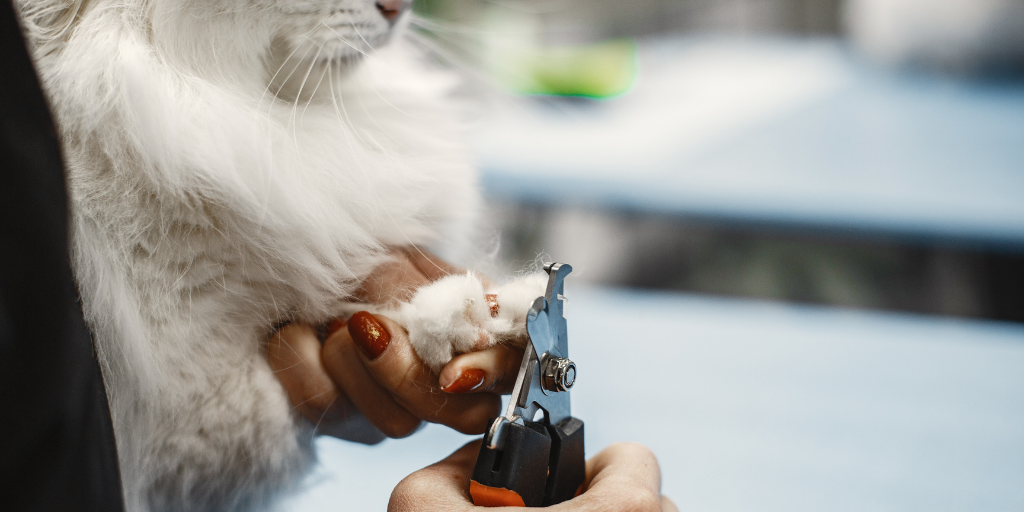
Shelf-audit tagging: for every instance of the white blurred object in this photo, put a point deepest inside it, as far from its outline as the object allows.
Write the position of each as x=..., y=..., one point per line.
x=953, y=35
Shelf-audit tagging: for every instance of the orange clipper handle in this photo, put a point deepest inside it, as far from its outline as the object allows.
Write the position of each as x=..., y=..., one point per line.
x=486, y=496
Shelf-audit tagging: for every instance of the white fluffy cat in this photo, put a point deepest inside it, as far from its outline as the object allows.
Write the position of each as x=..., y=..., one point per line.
x=233, y=164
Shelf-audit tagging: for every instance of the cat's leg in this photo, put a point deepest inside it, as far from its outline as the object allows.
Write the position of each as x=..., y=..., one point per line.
x=211, y=429
x=200, y=420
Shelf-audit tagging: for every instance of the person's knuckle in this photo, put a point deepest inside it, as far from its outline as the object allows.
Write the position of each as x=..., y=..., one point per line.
x=406, y=382
x=321, y=402
x=468, y=426
x=475, y=419
x=400, y=427
x=332, y=350
x=404, y=496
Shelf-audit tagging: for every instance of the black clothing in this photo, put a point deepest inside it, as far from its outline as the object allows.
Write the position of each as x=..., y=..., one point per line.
x=57, y=447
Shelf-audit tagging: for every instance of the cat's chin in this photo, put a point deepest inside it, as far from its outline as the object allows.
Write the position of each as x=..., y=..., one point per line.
x=346, y=61
x=293, y=79
x=346, y=49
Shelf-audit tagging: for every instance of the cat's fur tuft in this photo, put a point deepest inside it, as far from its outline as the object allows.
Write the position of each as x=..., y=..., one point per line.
x=458, y=314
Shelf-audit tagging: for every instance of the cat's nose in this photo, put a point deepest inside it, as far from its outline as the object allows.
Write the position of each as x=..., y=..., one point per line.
x=391, y=9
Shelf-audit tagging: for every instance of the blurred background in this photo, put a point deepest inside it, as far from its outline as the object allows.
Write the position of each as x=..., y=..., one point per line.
x=863, y=153
x=797, y=229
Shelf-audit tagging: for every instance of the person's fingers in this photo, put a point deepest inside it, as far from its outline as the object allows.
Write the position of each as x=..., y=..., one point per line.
x=390, y=359
x=294, y=356
x=493, y=370
x=342, y=359
x=667, y=505
x=624, y=476
x=621, y=477
x=441, y=486
x=392, y=282
x=631, y=459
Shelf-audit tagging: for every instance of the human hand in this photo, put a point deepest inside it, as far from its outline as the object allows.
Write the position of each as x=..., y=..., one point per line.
x=623, y=477
x=368, y=369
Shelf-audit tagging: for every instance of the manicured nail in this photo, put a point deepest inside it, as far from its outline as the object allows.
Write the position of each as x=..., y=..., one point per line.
x=468, y=381
x=369, y=334
x=336, y=325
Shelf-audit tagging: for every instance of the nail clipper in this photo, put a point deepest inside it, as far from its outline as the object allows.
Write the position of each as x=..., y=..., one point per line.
x=533, y=455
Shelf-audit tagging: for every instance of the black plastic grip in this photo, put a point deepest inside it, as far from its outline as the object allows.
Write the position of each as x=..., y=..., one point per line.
x=521, y=466
x=544, y=464
x=567, y=466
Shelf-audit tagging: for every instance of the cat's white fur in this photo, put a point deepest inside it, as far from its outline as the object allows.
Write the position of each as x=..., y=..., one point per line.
x=233, y=164
x=451, y=310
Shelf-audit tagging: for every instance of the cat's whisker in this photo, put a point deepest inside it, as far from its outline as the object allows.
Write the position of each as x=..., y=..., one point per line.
x=315, y=89
x=285, y=81
x=553, y=6
x=343, y=40
x=366, y=176
x=298, y=95
x=361, y=169
x=436, y=27
x=392, y=105
x=473, y=71
x=334, y=99
x=310, y=399
x=462, y=65
x=358, y=33
x=270, y=83
x=429, y=258
x=323, y=414
x=342, y=113
x=269, y=176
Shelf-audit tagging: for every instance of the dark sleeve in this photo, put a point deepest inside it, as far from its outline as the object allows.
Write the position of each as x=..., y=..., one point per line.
x=57, y=447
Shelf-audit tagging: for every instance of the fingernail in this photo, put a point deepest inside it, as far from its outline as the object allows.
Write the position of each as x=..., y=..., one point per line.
x=336, y=325
x=369, y=334
x=468, y=381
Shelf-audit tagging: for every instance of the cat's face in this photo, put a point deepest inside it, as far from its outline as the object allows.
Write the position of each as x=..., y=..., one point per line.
x=308, y=38
x=335, y=29
x=309, y=30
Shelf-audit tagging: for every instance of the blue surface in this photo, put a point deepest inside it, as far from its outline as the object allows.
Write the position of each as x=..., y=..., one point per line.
x=763, y=406
x=774, y=131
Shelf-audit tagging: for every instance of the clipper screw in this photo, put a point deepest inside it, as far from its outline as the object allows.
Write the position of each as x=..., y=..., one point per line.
x=559, y=374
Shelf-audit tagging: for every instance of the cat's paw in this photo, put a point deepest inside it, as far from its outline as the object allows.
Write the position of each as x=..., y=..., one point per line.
x=459, y=314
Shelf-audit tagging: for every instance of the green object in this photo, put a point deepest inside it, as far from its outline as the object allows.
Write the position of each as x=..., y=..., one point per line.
x=599, y=70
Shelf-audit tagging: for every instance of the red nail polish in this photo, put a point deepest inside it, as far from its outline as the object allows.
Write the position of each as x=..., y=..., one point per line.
x=336, y=325
x=468, y=381
x=369, y=334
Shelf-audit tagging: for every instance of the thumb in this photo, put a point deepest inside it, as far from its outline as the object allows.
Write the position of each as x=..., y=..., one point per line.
x=441, y=486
